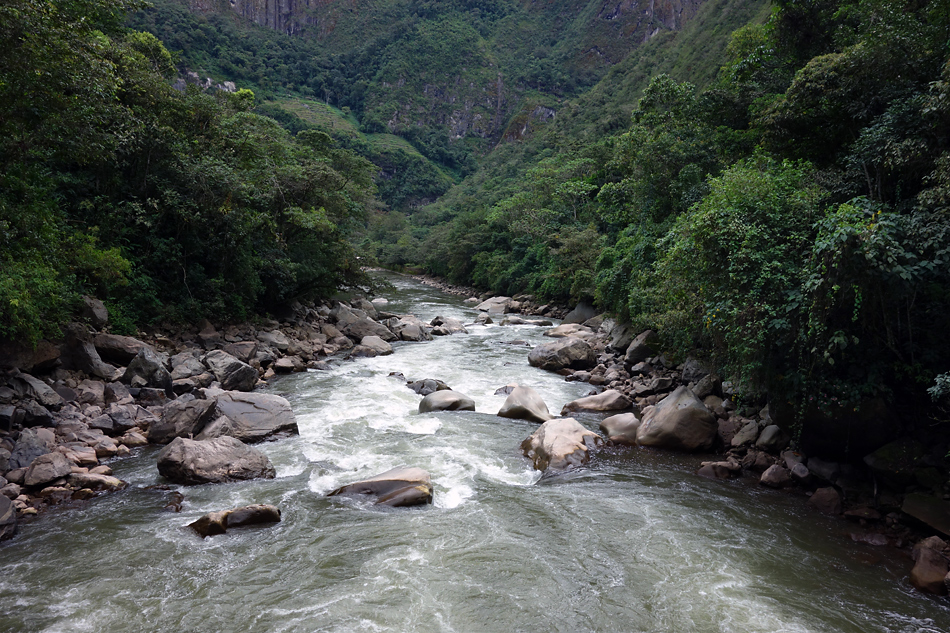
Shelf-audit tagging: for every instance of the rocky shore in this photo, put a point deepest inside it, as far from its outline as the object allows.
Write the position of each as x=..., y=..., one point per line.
x=69, y=407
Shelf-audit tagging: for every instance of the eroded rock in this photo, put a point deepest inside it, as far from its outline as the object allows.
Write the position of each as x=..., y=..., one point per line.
x=219, y=460
x=560, y=444
x=524, y=403
x=397, y=487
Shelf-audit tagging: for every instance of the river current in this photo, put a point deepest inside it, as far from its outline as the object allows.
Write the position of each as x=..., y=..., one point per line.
x=636, y=542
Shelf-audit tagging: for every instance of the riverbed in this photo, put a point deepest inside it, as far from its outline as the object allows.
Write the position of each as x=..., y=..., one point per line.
x=635, y=542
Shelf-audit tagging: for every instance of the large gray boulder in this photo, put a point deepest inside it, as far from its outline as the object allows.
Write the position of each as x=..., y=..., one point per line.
x=233, y=374
x=560, y=444
x=679, y=422
x=181, y=418
x=222, y=459
x=621, y=336
x=610, y=400
x=426, y=386
x=570, y=353
x=47, y=468
x=524, y=403
x=7, y=519
x=118, y=349
x=186, y=365
x=256, y=416
x=28, y=447
x=446, y=326
x=409, y=328
x=82, y=354
x=378, y=345
x=641, y=348
x=396, y=487
x=621, y=428
x=494, y=305
x=579, y=314
x=27, y=386
x=365, y=326
x=94, y=311
x=569, y=329
x=446, y=400
x=147, y=369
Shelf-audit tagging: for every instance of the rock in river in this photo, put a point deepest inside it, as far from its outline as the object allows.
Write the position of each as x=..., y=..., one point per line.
x=560, y=444
x=256, y=416
x=219, y=460
x=219, y=522
x=568, y=352
x=396, y=487
x=524, y=403
x=446, y=400
x=610, y=400
x=621, y=428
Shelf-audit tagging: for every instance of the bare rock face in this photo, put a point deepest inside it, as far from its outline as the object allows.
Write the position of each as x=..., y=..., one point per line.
x=219, y=522
x=524, y=403
x=181, y=419
x=560, y=444
x=571, y=353
x=222, y=459
x=679, y=422
x=255, y=417
x=610, y=400
x=233, y=374
x=621, y=428
x=396, y=487
x=446, y=400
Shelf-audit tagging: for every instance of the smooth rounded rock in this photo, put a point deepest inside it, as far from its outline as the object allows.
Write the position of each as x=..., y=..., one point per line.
x=446, y=400
x=610, y=400
x=571, y=353
x=397, y=487
x=621, y=428
x=524, y=403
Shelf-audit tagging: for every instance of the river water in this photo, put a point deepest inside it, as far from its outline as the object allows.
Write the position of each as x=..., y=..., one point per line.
x=636, y=542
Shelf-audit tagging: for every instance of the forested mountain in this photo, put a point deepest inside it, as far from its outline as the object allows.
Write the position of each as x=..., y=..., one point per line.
x=763, y=184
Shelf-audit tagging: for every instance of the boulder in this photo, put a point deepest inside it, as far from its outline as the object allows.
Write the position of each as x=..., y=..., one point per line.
x=571, y=353
x=621, y=335
x=397, y=487
x=679, y=422
x=693, y=371
x=222, y=459
x=930, y=566
x=47, y=468
x=182, y=418
x=641, y=348
x=826, y=500
x=823, y=469
x=560, y=444
x=44, y=356
x=275, y=339
x=772, y=439
x=446, y=326
x=118, y=349
x=96, y=481
x=579, y=314
x=929, y=510
x=446, y=400
x=720, y=470
x=621, y=428
x=494, y=305
x=256, y=416
x=92, y=392
x=27, y=386
x=82, y=354
x=94, y=311
x=28, y=447
x=117, y=393
x=7, y=519
x=147, y=369
x=409, y=328
x=569, y=329
x=244, y=351
x=427, y=385
x=748, y=434
x=610, y=400
x=378, y=345
x=775, y=476
x=219, y=522
x=233, y=374
x=524, y=403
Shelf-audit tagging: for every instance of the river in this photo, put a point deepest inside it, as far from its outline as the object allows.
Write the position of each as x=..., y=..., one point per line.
x=635, y=542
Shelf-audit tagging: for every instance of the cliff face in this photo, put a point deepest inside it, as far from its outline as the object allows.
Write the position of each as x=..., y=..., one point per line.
x=454, y=66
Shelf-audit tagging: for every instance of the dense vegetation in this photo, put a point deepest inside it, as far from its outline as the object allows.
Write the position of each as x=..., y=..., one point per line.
x=167, y=204
x=790, y=220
